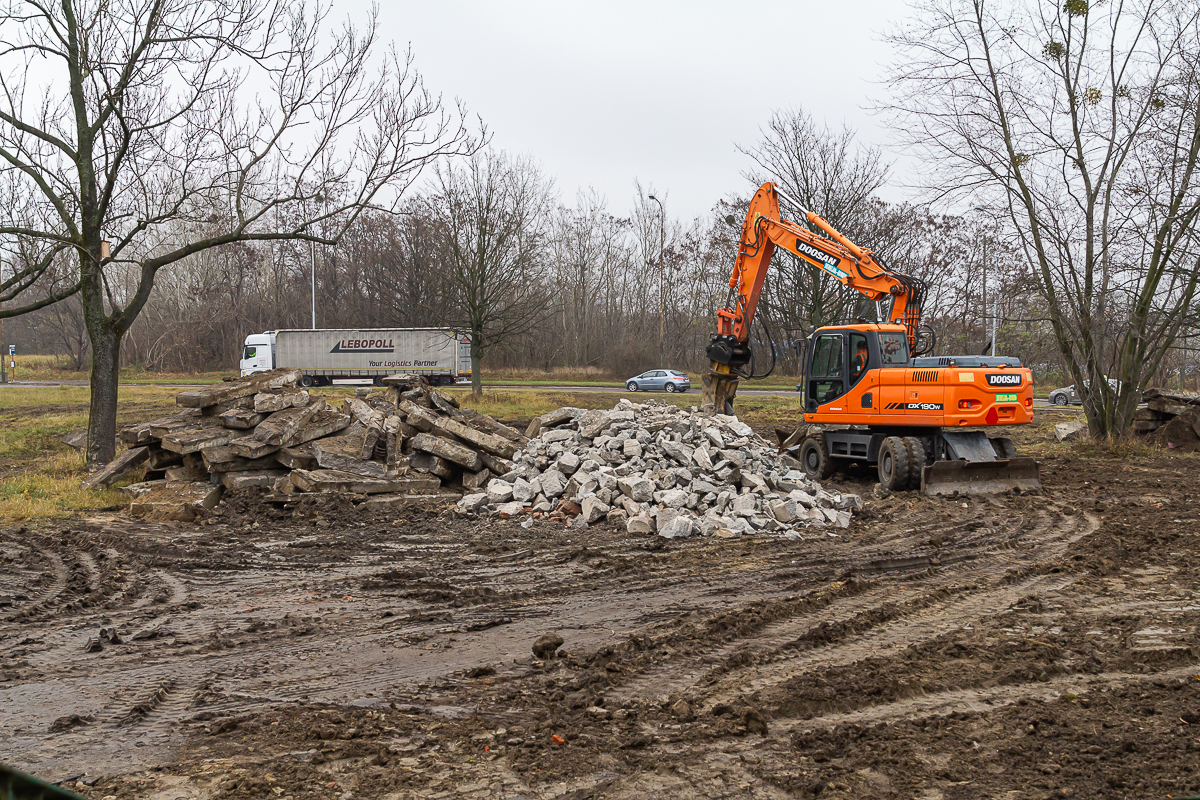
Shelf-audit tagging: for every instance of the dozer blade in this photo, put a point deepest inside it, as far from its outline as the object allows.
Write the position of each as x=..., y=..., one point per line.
x=981, y=477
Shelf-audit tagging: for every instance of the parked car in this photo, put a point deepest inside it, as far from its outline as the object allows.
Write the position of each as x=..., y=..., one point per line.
x=1068, y=396
x=658, y=380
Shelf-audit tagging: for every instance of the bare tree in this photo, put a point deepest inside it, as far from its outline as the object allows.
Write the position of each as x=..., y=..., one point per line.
x=830, y=174
x=135, y=121
x=1079, y=124
x=492, y=214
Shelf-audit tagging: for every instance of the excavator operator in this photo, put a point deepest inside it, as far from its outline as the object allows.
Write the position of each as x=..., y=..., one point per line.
x=859, y=365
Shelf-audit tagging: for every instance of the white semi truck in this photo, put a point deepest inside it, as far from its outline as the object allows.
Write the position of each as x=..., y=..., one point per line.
x=323, y=357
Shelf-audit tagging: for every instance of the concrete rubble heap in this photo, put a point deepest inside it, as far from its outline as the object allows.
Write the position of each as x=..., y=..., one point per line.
x=1170, y=418
x=655, y=468
x=383, y=447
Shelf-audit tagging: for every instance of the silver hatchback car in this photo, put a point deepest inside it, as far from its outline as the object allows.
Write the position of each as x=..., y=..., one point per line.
x=658, y=380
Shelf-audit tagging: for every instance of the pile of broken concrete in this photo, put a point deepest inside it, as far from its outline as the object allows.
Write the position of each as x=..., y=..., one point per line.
x=656, y=468
x=386, y=447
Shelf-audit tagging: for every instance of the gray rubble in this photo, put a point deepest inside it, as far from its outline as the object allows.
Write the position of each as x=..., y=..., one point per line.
x=406, y=440
x=655, y=468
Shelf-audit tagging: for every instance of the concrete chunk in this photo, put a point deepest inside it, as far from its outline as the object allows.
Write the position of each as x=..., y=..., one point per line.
x=298, y=456
x=193, y=440
x=329, y=480
x=212, y=395
x=435, y=465
x=457, y=453
x=118, y=468
x=249, y=447
x=342, y=453
x=270, y=402
x=281, y=427
x=180, y=502
x=247, y=479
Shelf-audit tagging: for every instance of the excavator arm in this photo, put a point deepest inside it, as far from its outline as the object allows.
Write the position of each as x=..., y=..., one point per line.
x=853, y=266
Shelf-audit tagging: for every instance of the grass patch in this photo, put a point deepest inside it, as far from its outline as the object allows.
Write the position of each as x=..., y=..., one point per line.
x=39, y=475
x=47, y=369
x=52, y=490
x=522, y=405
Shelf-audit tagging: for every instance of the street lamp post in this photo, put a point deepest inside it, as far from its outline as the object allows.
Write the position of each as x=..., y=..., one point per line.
x=662, y=274
x=995, y=290
x=312, y=255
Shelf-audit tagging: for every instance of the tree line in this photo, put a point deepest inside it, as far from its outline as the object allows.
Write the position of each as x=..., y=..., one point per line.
x=176, y=174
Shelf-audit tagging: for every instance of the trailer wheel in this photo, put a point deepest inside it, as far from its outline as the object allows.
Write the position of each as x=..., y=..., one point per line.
x=306, y=380
x=894, y=464
x=1004, y=447
x=916, y=460
x=377, y=380
x=814, y=457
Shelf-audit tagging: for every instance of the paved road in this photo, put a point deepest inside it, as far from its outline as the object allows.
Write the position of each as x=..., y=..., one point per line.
x=1037, y=402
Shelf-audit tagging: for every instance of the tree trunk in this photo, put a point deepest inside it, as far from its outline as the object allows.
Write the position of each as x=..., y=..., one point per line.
x=102, y=422
x=476, y=358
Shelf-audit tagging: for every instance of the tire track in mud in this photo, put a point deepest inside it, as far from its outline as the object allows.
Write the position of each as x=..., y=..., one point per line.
x=888, y=617
x=978, y=700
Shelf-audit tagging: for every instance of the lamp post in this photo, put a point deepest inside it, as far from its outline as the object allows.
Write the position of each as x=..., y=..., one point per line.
x=312, y=255
x=662, y=274
x=995, y=291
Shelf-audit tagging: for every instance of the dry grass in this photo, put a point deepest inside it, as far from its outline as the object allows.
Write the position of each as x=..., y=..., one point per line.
x=39, y=475
x=47, y=369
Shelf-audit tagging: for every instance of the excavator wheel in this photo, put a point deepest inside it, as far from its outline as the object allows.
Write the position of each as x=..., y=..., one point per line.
x=894, y=464
x=916, y=460
x=1004, y=447
x=814, y=456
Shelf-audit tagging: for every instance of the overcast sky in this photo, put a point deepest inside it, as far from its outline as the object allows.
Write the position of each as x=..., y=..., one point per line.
x=603, y=93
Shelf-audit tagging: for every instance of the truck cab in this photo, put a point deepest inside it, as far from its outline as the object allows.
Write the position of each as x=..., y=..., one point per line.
x=258, y=353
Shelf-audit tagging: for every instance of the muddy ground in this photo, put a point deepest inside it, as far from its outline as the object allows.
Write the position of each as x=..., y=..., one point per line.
x=1017, y=646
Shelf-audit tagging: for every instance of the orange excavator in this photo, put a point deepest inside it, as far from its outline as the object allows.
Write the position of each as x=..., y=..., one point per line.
x=871, y=394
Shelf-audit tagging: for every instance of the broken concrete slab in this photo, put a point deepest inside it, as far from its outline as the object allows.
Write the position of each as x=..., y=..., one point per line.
x=120, y=467
x=281, y=427
x=242, y=419
x=249, y=447
x=1066, y=431
x=329, y=480
x=264, y=479
x=244, y=464
x=193, y=440
x=298, y=456
x=496, y=445
x=457, y=453
x=161, y=459
x=434, y=465
x=278, y=400
x=383, y=502
x=212, y=395
x=180, y=502
x=76, y=439
x=342, y=453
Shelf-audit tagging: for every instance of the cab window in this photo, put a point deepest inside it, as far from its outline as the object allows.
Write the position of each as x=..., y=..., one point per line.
x=827, y=381
x=893, y=349
x=250, y=352
x=858, y=357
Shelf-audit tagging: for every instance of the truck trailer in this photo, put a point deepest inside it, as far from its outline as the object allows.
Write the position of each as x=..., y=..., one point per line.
x=324, y=357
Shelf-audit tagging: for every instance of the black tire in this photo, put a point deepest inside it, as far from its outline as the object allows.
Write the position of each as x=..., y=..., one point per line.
x=1004, y=447
x=631, y=386
x=306, y=381
x=916, y=460
x=1060, y=400
x=670, y=387
x=895, y=466
x=814, y=458
x=377, y=380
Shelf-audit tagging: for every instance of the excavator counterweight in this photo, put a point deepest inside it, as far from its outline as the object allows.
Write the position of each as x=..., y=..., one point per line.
x=869, y=395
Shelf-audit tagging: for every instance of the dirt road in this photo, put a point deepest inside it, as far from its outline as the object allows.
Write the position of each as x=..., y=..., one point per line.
x=1042, y=646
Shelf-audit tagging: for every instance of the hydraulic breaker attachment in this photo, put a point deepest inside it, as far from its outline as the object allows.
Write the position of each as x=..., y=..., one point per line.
x=720, y=387
x=981, y=477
